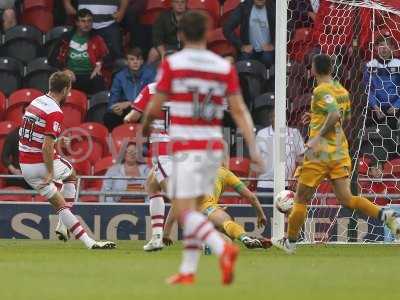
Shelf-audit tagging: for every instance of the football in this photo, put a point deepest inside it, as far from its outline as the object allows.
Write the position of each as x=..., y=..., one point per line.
x=284, y=201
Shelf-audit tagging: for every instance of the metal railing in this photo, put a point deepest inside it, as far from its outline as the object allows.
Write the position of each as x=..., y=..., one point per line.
x=141, y=194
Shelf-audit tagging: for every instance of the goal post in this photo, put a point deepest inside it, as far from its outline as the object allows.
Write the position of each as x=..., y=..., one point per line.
x=350, y=32
x=278, y=224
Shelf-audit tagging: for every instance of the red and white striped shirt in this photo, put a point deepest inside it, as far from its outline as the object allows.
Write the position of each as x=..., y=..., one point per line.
x=42, y=117
x=159, y=137
x=197, y=82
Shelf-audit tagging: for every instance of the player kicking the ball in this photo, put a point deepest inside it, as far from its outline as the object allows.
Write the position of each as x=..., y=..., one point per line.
x=195, y=81
x=327, y=156
x=220, y=218
x=157, y=178
x=42, y=167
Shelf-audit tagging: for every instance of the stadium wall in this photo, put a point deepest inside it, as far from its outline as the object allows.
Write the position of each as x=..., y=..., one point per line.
x=132, y=222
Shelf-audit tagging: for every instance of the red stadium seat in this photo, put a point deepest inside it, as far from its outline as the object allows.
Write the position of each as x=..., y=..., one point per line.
x=100, y=168
x=363, y=164
x=300, y=45
x=218, y=43
x=89, y=141
x=75, y=108
x=13, y=197
x=392, y=168
x=38, y=13
x=3, y=105
x=18, y=101
x=81, y=167
x=239, y=166
x=153, y=10
x=89, y=198
x=229, y=6
x=212, y=7
x=124, y=133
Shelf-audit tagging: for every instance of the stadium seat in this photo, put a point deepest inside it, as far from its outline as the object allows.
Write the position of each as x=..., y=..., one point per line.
x=75, y=108
x=11, y=71
x=22, y=42
x=100, y=169
x=252, y=75
x=5, y=128
x=38, y=73
x=18, y=101
x=153, y=10
x=392, y=168
x=124, y=133
x=89, y=198
x=301, y=44
x=97, y=107
x=38, y=13
x=363, y=164
x=228, y=7
x=13, y=197
x=218, y=43
x=89, y=141
x=3, y=104
x=212, y=7
x=53, y=35
x=239, y=166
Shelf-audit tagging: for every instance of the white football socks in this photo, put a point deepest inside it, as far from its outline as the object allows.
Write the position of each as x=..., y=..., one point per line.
x=72, y=223
x=157, y=212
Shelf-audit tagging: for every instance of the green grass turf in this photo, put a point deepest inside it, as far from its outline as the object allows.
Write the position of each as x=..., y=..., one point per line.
x=53, y=270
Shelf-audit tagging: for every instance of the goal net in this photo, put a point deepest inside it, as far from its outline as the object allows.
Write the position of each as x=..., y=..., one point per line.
x=363, y=39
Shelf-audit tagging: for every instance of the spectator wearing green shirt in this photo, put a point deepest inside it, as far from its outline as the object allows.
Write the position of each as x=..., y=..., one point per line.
x=80, y=53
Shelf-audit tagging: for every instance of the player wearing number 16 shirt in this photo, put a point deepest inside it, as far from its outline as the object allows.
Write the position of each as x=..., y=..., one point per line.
x=195, y=82
x=42, y=167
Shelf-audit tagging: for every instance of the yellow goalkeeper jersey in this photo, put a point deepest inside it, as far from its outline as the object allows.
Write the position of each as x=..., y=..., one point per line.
x=224, y=179
x=329, y=97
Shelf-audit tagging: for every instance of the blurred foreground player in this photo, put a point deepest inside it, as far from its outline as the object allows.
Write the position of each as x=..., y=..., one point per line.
x=42, y=167
x=195, y=81
x=157, y=178
x=220, y=218
x=327, y=156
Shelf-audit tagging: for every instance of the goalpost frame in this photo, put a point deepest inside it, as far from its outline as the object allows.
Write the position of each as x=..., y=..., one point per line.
x=279, y=158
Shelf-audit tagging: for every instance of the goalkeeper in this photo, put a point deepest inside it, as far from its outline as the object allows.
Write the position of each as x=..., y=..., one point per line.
x=220, y=218
x=327, y=156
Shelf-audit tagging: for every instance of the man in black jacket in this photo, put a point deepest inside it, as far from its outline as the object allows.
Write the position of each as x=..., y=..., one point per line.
x=165, y=31
x=256, y=19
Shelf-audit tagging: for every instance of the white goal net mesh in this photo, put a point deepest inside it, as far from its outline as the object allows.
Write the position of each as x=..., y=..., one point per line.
x=363, y=38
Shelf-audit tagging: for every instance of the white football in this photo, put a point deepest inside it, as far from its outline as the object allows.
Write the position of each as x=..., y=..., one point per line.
x=284, y=201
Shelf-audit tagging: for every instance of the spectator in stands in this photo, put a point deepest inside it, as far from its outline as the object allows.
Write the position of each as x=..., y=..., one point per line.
x=127, y=84
x=256, y=19
x=9, y=19
x=312, y=13
x=129, y=167
x=165, y=31
x=294, y=152
x=107, y=14
x=131, y=23
x=10, y=159
x=300, y=14
x=382, y=82
x=81, y=53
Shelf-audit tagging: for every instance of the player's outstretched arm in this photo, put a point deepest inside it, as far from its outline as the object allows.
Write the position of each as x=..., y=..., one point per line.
x=261, y=218
x=153, y=110
x=243, y=121
x=48, y=154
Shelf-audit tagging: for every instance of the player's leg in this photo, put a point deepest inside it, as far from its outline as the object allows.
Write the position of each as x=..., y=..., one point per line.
x=157, y=212
x=224, y=222
x=63, y=171
x=192, y=178
x=310, y=174
x=342, y=191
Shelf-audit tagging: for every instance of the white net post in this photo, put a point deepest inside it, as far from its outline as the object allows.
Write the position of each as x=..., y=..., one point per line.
x=279, y=158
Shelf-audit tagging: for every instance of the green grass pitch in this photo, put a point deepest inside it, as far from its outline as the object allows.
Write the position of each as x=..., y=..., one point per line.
x=54, y=270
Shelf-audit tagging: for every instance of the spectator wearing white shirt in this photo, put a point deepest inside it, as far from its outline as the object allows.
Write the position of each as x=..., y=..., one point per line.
x=294, y=150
